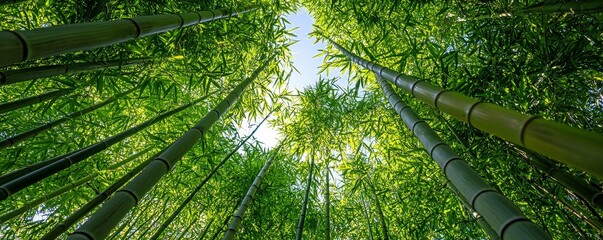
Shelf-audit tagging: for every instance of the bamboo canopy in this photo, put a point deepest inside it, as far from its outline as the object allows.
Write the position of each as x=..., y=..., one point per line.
x=27, y=74
x=11, y=141
x=110, y=214
x=22, y=45
x=238, y=217
x=500, y=213
x=566, y=144
x=29, y=179
x=26, y=102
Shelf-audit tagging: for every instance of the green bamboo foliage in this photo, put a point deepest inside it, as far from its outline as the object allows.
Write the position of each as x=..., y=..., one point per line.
x=209, y=176
x=566, y=144
x=11, y=141
x=29, y=179
x=500, y=213
x=28, y=74
x=26, y=102
x=22, y=45
x=238, y=217
x=302, y=216
x=110, y=214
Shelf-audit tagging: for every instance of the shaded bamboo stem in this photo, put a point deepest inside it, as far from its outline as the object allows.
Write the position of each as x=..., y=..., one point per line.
x=327, y=205
x=583, y=6
x=478, y=218
x=205, y=180
x=366, y=216
x=28, y=74
x=26, y=102
x=382, y=221
x=566, y=144
x=11, y=141
x=500, y=213
x=7, y=2
x=238, y=217
x=29, y=179
x=302, y=215
x=110, y=214
x=22, y=45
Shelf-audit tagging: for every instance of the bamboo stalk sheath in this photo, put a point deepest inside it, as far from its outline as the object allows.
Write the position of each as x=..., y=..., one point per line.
x=110, y=214
x=576, y=147
x=22, y=45
x=26, y=102
x=29, y=179
x=500, y=213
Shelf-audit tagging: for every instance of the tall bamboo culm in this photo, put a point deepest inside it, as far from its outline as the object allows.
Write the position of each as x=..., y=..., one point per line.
x=110, y=214
x=566, y=144
x=29, y=179
x=11, y=141
x=231, y=232
x=26, y=102
x=473, y=214
x=27, y=74
x=207, y=178
x=22, y=45
x=302, y=216
x=500, y=213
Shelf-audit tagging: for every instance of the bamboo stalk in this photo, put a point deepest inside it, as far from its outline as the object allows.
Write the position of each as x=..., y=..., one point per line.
x=110, y=214
x=29, y=179
x=22, y=45
x=26, y=102
x=327, y=205
x=566, y=144
x=478, y=218
x=207, y=178
x=379, y=211
x=238, y=217
x=28, y=74
x=11, y=141
x=366, y=216
x=302, y=215
x=500, y=213
x=7, y=2
x=583, y=6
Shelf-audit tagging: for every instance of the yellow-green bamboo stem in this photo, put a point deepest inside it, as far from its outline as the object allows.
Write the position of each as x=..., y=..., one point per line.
x=26, y=102
x=27, y=74
x=11, y=141
x=110, y=214
x=302, y=216
x=29, y=179
x=22, y=45
x=500, y=213
x=238, y=217
x=566, y=144
x=34, y=203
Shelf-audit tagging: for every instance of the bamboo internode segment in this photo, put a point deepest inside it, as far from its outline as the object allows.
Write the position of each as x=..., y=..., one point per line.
x=110, y=214
x=27, y=74
x=29, y=179
x=238, y=217
x=25, y=102
x=500, y=213
x=22, y=45
x=566, y=144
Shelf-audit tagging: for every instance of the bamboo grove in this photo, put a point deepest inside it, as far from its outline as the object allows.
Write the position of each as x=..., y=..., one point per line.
x=427, y=119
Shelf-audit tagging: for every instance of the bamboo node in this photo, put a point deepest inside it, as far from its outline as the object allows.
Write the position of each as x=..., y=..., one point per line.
x=412, y=87
x=138, y=30
x=435, y=100
x=25, y=53
x=476, y=195
x=510, y=222
x=523, y=129
x=468, y=120
x=132, y=194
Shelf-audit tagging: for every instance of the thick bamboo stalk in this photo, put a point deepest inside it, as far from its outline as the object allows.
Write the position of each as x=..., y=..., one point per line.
x=6, y=2
x=302, y=216
x=583, y=6
x=566, y=144
x=11, y=141
x=27, y=74
x=110, y=214
x=205, y=180
x=20, y=183
x=500, y=213
x=478, y=218
x=22, y=45
x=238, y=217
x=60, y=228
x=26, y=102
x=34, y=203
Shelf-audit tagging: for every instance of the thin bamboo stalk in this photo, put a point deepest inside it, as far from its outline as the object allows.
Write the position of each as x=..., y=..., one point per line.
x=26, y=102
x=11, y=141
x=29, y=179
x=22, y=45
x=28, y=74
x=34, y=203
x=238, y=217
x=110, y=214
x=583, y=6
x=327, y=204
x=60, y=228
x=566, y=144
x=382, y=221
x=500, y=213
x=205, y=180
x=366, y=216
x=302, y=215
